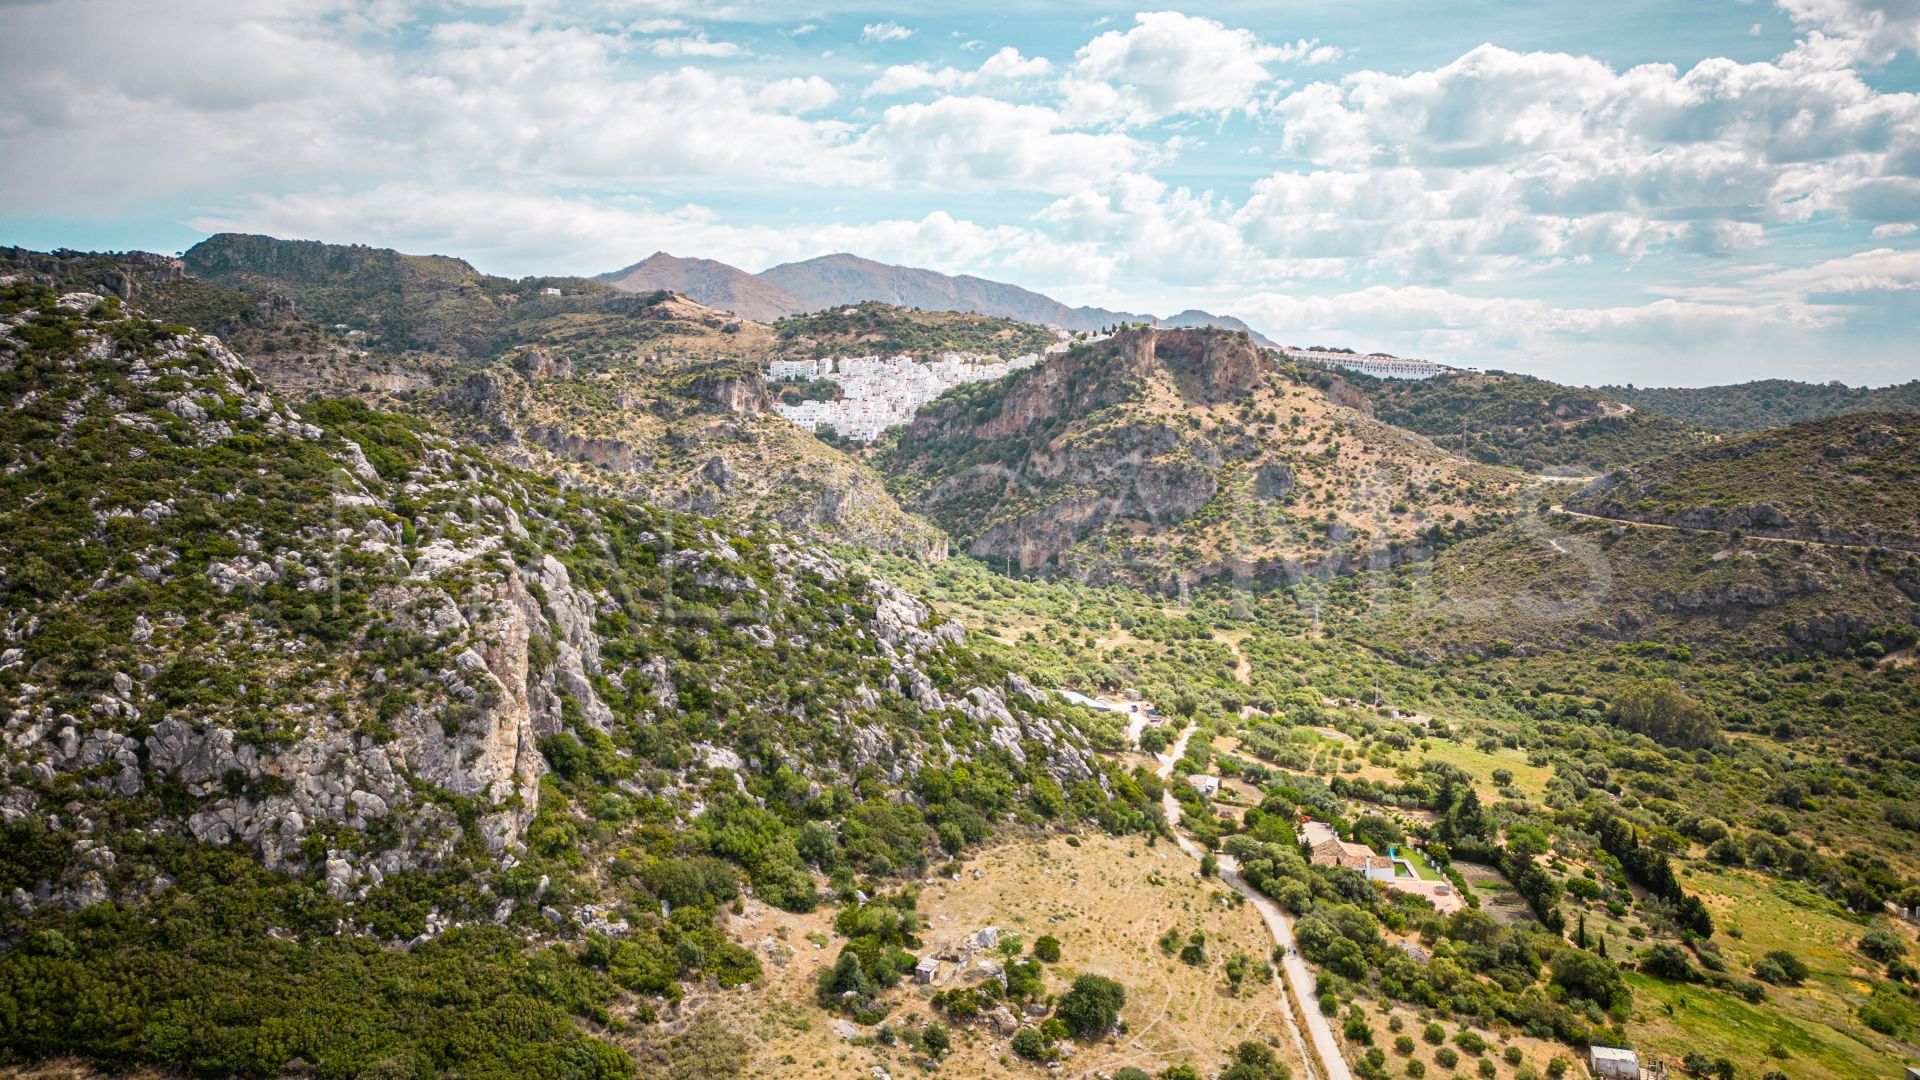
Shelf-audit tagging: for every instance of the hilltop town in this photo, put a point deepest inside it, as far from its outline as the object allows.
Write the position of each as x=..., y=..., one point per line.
x=877, y=393
x=882, y=392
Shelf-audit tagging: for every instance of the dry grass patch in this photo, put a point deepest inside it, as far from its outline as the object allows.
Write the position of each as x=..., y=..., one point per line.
x=1108, y=900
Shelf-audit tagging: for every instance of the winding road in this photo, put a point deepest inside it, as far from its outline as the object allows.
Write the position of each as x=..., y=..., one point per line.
x=1298, y=979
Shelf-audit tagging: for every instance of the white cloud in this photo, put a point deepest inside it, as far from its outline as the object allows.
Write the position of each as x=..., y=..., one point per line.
x=1879, y=270
x=1638, y=343
x=1893, y=229
x=694, y=45
x=1849, y=32
x=884, y=31
x=1549, y=155
x=1006, y=65
x=1169, y=63
x=969, y=143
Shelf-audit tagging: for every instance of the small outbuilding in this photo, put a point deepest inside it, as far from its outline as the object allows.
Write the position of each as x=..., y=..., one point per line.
x=927, y=970
x=1613, y=1063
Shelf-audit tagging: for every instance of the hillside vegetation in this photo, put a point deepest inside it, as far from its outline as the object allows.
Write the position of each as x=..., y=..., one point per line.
x=1851, y=479
x=1163, y=457
x=697, y=435
x=1766, y=403
x=333, y=744
x=1528, y=423
x=655, y=394
x=887, y=330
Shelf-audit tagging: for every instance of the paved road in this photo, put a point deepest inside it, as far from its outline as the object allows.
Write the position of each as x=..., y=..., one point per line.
x=1325, y=1062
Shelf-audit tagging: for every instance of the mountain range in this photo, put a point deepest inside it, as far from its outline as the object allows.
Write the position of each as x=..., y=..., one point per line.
x=832, y=280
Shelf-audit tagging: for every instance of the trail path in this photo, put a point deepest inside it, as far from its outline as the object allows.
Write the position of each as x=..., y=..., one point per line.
x=1298, y=980
x=1557, y=509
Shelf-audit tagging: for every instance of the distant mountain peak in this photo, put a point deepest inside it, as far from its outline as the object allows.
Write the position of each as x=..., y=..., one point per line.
x=709, y=282
x=841, y=278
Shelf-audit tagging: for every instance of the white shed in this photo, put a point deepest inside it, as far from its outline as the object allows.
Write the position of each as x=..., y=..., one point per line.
x=1613, y=1063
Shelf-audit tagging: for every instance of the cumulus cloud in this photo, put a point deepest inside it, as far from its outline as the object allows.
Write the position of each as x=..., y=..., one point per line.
x=1547, y=155
x=693, y=45
x=969, y=143
x=884, y=31
x=1848, y=32
x=1720, y=342
x=1169, y=63
x=1006, y=65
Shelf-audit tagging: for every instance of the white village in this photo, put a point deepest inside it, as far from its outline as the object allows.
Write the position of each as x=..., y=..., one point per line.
x=879, y=392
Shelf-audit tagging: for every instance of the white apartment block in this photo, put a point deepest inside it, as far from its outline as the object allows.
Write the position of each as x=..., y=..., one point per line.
x=782, y=370
x=1375, y=364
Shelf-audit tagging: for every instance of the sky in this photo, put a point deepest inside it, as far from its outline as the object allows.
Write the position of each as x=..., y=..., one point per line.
x=1629, y=192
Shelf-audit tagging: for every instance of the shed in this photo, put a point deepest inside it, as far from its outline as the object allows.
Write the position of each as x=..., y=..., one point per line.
x=926, y=970
x=1613, y=1063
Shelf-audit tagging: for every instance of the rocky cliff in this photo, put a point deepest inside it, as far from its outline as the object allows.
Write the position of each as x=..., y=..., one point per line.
x=693, y=435
x=1170, y=456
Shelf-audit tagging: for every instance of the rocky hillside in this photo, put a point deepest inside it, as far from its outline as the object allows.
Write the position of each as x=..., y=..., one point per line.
x=712, y=283
x=1567, y=582
x=1851, y=479
x=1528, y=423
x=330, y=740
x=297, y=355
x=698, y=435
x=1766, y=403
x=837, y=280
x=653, y=393
x=834, y=281
x=1170, y=456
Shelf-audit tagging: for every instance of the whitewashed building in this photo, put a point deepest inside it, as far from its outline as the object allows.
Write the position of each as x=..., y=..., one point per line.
x=882, y=392
x=1378, y=365
x=1613, y=1063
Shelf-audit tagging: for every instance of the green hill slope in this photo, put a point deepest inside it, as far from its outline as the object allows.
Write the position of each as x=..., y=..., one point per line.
x=1766, y=403
x=874, y=327
x=1851, y=479
x=1528, y=423
x=331, y=741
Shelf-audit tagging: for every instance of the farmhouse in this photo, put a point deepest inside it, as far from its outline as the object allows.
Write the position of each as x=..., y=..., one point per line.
x=1613, y=1063
x=1337, y=852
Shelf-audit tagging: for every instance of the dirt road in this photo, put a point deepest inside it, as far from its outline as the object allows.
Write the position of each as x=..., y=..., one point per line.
x=1324, y=1062
x=1558, y=509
